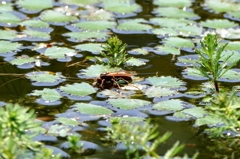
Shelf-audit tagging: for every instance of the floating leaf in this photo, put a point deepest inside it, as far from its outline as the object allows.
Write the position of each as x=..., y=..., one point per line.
x=235, y=45
x=135, y=62
x=222, y=6
x=190, y=30
x=67, y=121
x=81, y=89
x=139, y=51
x=80, y=2
x=196, y=112
x=95, y=25
x=56, y=17
x=229, y=33
x=7, y=34
x=172, y=12
x=179, y=42
x=113, y=94
x=231, y=74
x=127, y=119
x=168, y=50
x=121, y=7
x=87, y=35
x=96, y=70
x=158, y=92
x=181, y=115
x=44, y=77
x=91, y=47
x=36, y=4
x=165, y=81
x=59, y=130
x=34, y=23
x=171, y=22
x=235, y=56
x=22, y=60
x=165, y=31
x=38, y=34
x=209, y=120
x=169, y=105
x=218, y=23
x=128, y=103
x=193, y=72
x=175, y=3
x=47, y=94
x=7, y=46
x=59, y=52
x=92, y=109
x=133, y=25
x=5, y=7
x=99, y=15
x=235, y=14
x=9, y=18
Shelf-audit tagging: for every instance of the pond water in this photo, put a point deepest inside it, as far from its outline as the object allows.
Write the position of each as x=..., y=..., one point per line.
x=153, y=24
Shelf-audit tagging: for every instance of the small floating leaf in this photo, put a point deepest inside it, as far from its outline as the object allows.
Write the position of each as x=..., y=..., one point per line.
x=128, y=103
x=36, y=4
x=5, y=7
x=165, y=31
x=59, y=130
x=67, y=121
x=209, y=120
x=133, y=25
x=44, y=77
x=135, y=62
x=99, y=15
x=235, y=56
x=218, y=23
x=231, y=74
x=168, y=50
x=222, y=6
x=179, y=42
x=9, y=18
x=80, y=2
x=121, y=7
x=92, y=109
x=229, y=33
x=96, y=70
x=95, y=25
x=34, y=23
x=91, y=47
x=171, y=22
x=81, y=89
x=7, y=34
x=172, y=12
x=190, y=30
x=196, y=112
x=175, y=3
x=169, y=105
x=22, y=60
x=87, y=35
x=139, y=51
x=193, y=72
x=38, y=34
x=56, y=17
x=165, y=81
x=127, y=119
x=59, y=52
x=235, y=45
x=47, y=94
x=7, y=46
x=158, y=92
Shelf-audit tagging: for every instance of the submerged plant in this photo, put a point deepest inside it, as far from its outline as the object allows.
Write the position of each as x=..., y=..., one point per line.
x=115, y=52
x=209, y=57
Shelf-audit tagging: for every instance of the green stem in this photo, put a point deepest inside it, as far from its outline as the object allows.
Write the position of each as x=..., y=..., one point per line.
x=216, y=86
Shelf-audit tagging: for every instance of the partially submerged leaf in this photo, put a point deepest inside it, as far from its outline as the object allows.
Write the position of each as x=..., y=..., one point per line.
x=196, y=112
x=209, y=120
x=59, y=130
x=169, y=105
x=158, y=92
x=165, y=81
x=92, y=109
x=229, y=33
x=77, y=89
x=128, y=103
x=96, y=70
x=47, y=94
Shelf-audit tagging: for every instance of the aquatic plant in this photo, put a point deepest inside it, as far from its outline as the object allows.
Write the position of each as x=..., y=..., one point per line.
x=209, y=57
x=115, y=52
x=73, y=143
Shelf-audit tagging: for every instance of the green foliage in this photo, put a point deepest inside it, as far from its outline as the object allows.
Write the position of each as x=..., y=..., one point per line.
x=74, y=143
x=115, y=52
x=209, y=56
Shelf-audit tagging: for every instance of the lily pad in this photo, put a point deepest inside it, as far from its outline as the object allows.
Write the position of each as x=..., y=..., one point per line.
x=59, y=130
x=179, y=42
x=56, y=17
x=231, y=74
x=91, y=47
x=218, y=23
x=134, y=25
x=169, y=105
x=235, y=45
x=193, y=72
x=92, y=109
x=196, y=112
x=171, y=22
x=209, y=120
x=175, y=3
x=165, y=31
x=9, y=18
x=222, y=6
x=168, y=50
x=135, y=62
x=59, y=52
x=235, y=56
x=95, y=25
x=87, y=35
x=96, y=70
x=37, y=34
x=190, y=30
x=6, y=7
x=121, y=7
x=47, y=94
x=139, y=51
x=180, y=115
x=127, y=119
x=128, y=103
x=22, y=60
x=34, y=23
x=229, y=33
x=44, y=77
x=7, y=46
x=165, y=81
x=77, y=89
x=158, y=92
x=98, y=15
x=172, y=12
x=36, y=4
x=67, y=121
x=8, y=34
x=235, y=14
x=80, y=2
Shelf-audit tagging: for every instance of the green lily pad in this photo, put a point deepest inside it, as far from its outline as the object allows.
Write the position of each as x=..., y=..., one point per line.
x=8, y=34
x=128, y=103
x=135, y=62
x=96, y=70
x=121, y=7
x=34, y=23
x=175, y=3
x=113, y=94
x=134, y=25
x=229, y=33
x=59, y=130
x=209, y=120
x=47, y=94
x=196, y=112
x=171, y=22
x=127, y=119
x=231, y=74
x=99, y=15
x=158, y=92
x=139, y=51
x=235, y=46
x=80, y=2
x=59, y=52
x=235, y=56
x=92, y=109
x=222, y=6
x=180, y=115
x=22, y=60
x=165, y=31
x=168, y=50
x=235, y=14
x=193, y=72
x=36, y=4
x=7, y=46
x=9, y=18
x=56, y=17
x=87, y=35
x=95, y=25
x=165, y=81
x=67, y=121
x=6, y=7
x=91, y=47
x=169, y=105
x=190, y=30
x=218, y=23
x=44, y=77
x=77, y=89
x=172, y=12
x=37, y=34
x=179, y=42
